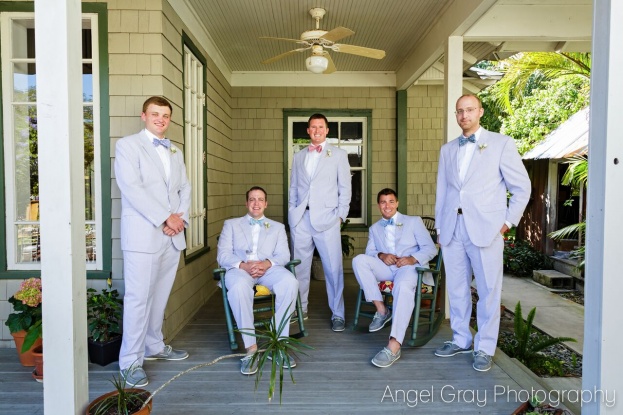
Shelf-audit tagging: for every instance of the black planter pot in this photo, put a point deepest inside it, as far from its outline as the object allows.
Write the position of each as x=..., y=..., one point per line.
x=104, y=353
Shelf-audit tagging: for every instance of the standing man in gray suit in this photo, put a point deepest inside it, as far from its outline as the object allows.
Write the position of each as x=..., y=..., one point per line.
x=472, y=214
x=155, y=199
x=320, y=191
x=254, y=249
x=397, y=244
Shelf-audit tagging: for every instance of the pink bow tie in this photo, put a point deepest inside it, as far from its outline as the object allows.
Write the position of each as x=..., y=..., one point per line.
x=317, y=148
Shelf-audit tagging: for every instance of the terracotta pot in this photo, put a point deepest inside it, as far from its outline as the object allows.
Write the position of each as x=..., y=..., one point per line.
x=37, y=373
x=144, y=411
x=26, y=358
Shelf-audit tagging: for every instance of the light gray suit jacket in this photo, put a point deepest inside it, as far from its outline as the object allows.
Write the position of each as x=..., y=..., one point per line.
x=412, y=239
x=236, y=239
x=493, y=170
x=327, y=193
x=147, y=199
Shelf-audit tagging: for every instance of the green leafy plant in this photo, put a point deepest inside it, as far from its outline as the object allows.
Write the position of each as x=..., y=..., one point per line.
x=520, y=258
x=527, y=345
x=123, y=401
x=104, y=313
x=270, y=343
x=26, y=303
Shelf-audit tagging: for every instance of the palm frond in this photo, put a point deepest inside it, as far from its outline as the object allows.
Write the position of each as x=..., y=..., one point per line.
x=570, y=230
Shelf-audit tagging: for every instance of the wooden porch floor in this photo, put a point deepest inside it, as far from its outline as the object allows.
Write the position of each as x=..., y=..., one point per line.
x=335, y=377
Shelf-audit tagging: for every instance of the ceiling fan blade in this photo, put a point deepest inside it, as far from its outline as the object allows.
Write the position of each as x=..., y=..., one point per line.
x=331, y=66
x=360, y=50
x=283, y=55
x=337, y=34
x=282, y=38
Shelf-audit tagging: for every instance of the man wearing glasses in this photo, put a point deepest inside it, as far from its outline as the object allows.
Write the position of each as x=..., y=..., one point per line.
x=476, y=170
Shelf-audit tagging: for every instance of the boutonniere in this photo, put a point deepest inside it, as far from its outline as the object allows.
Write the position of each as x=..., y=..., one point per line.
x=173, y=150
x=482, y=146
x=399, y=224
x=328, y=152
x=266, y=225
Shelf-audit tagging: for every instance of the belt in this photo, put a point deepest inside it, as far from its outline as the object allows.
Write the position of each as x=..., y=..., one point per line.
x=459, y=212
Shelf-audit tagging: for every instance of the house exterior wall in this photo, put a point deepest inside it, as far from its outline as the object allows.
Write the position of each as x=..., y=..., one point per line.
x=425, y=118
x=145, y=58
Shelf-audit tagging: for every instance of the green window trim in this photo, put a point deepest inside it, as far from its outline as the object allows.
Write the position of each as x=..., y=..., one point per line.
x=106, y=230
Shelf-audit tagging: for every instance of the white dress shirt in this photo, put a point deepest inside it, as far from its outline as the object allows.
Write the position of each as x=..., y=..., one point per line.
x=163, y=152
x=312, y=158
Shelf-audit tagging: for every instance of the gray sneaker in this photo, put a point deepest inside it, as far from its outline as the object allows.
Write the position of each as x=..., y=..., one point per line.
x=482, y=361
x=385, y=358
x=295, y=317
x=379, y=321
x=134, y=376
x=285, y=365
x=168, y=353
x=248, y=366
x=338, y=324
x=450, y=348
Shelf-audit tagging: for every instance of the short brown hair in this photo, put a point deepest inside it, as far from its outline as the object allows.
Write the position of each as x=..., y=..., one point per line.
x=318, y=117
x=473, y=96
x=257, y=188
x=385, y=192
x=159, y=101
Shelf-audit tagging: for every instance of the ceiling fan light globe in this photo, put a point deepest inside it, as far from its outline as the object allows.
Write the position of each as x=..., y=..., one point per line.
x=317, y=64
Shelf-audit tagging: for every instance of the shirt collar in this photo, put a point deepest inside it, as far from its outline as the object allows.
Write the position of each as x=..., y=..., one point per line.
x=476, y=134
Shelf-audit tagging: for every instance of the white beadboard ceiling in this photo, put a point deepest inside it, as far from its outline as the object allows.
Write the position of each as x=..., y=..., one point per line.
x=396, y=26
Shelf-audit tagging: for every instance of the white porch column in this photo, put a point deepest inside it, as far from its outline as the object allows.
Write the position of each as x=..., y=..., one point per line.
x=61, y=183
x=453, y=89
x=602, y=313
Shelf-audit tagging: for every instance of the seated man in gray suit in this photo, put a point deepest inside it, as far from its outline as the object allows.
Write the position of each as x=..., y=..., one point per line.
x=396, y=245
x=254, y=250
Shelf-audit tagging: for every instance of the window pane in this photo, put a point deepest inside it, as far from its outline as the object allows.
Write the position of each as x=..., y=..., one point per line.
x=24, y=82
x=26, y=161
x=87, y=82
x=355, y=155
x=299, y=130
x=352, y=131
x=28, y=241
x=23, y=36
x=89, y=164
x=87, y=48
x=333, y=131
x=356, y=201
x=91, y=239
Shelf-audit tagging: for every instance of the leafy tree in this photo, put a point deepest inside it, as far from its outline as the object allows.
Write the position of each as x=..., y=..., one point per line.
x=536, y=115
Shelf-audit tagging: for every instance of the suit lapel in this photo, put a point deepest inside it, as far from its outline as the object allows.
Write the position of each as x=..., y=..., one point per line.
x=379, y=231
x=398, y=233
x=454, y=160
x=322, y=161
x=262, y=236
x=477, y=157
x=153, y=155
x=245, y=228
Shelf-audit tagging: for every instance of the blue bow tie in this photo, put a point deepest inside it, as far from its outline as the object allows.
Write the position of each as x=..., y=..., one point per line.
x=255, y=221
x=463, y=140
x=164, y=142
x=385, y=222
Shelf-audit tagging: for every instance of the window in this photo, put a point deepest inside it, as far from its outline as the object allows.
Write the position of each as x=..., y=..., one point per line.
x=348, y=132
x=195, y=154
x=20, y=138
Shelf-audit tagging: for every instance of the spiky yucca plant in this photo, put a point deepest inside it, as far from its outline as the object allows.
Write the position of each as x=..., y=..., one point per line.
x=526, y=347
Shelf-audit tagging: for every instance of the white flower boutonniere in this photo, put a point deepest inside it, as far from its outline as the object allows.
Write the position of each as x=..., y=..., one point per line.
x=482, y=146
x=328, y=152
x=399, y=224
x=266, y=225
x=173, y=150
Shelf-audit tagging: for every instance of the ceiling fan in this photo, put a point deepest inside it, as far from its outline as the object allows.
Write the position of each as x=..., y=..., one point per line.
x=318, y=40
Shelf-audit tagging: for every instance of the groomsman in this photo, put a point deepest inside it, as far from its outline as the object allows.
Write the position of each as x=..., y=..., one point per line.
x=254, y=250
x=320, y=191
x=476, y=171
x=397, y=244
x=155, y=200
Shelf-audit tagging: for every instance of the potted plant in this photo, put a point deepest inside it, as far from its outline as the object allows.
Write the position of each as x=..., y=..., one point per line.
x=104, y=314
x=25, y=322
x=347, y=250
x=121, y=401
x=126, y=401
